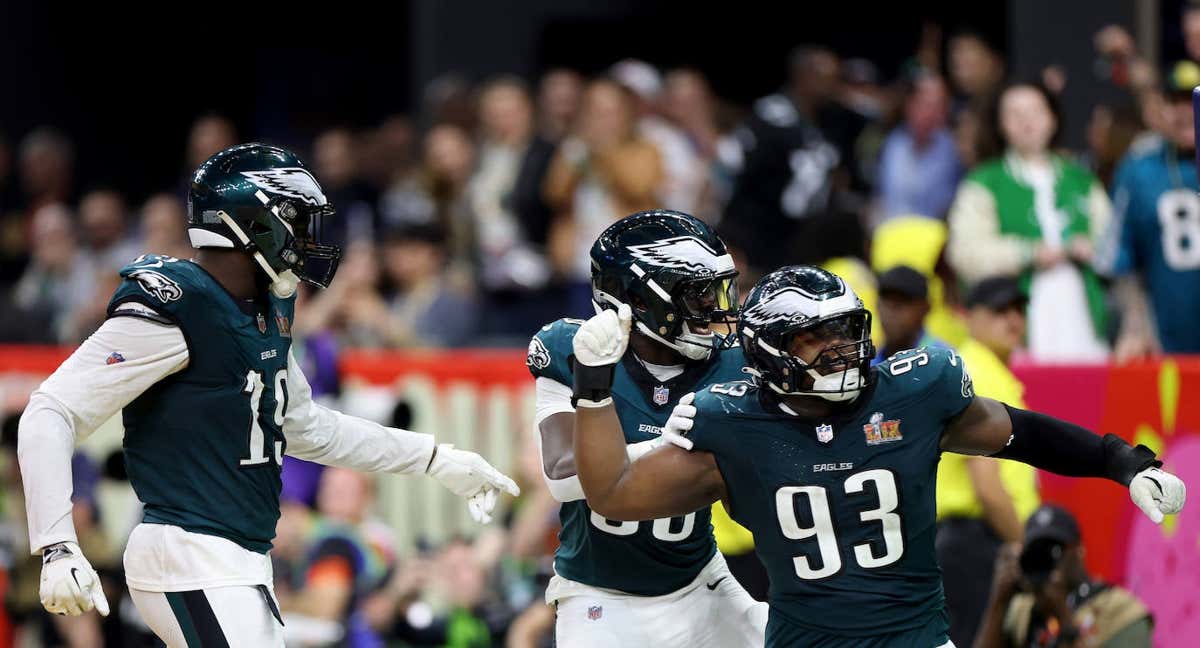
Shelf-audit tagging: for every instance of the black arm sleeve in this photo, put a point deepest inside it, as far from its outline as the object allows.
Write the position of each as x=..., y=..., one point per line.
x=1067, y=449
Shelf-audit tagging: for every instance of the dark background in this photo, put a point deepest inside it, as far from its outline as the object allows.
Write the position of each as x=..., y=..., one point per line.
x=126, y=84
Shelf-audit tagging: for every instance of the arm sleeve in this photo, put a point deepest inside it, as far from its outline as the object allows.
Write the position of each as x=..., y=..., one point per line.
x=124, y=358
x=976, y=248
x=326, y=436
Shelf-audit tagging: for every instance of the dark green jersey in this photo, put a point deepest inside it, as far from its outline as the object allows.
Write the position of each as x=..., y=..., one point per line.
x=648, y=558
x=203, y=446
x=842, y=508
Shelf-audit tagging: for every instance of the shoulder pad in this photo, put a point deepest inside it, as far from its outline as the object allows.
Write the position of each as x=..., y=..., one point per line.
x=932, y=372
x=160, y=282
x=551, y=348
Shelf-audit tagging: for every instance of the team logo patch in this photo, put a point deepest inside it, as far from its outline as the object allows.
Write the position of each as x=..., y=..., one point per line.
x=824, y=433
x=538, y=357
x=157, y=284
x=880, y=431
x=661, y=395
x=262, y=322
x=293, y=182
x=683, y=253
x=114, y=358
x=595, y=612
x=284, y=325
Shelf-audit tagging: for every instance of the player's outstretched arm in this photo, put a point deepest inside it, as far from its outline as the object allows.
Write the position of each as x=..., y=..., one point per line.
x=667, y=481
x=992, y=428
x=128, y=354
x=326, y=436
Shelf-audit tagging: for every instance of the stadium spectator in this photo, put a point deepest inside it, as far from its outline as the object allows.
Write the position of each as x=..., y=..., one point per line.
x=1042, y=594
x=602, y=172
x=352, y=307
x=104, y=225
x=1037, y=215
x=976, y=72
x=903, y=306
x=209, y=134
x=1151, y=249
x=388, y=158
x=59, y=282
x=335, y=163
x=338, y=567
x=560, y=94
x=511, y=216
x=781, y=198
x=436, y=193
x=684, y=173
x=163, y=227
x=472, y=617
x=427, y=308
x=47, y=160
x=918, y=167
x=981, y=501
x=688, y=101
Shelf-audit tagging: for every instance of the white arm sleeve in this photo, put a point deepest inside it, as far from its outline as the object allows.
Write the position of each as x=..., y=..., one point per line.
x=83, y=393
x=326, y=436
x=553, y=397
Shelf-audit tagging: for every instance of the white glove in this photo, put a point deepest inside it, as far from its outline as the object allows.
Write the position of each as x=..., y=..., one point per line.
x=1157, y=493
x=468, y=475
x=69, y=584
x=680, y=422
x=602, y=339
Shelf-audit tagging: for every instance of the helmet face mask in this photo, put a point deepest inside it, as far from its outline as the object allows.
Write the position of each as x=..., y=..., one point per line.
x=676, y=275
x=840, y=350
x=805, y=332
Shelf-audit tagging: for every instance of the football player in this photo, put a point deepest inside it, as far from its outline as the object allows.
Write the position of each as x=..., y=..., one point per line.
x=832, y=464
x=659, y=582
x=198, y=355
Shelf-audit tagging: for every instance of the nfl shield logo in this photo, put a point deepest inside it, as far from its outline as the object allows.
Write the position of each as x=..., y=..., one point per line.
x=824, y=433
x=661, y=395
x=595, y=612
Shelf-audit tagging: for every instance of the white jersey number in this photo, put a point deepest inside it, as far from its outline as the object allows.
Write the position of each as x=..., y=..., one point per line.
x=661, y=529
x=1179, y=217
x=822, y=527
x=254, y=389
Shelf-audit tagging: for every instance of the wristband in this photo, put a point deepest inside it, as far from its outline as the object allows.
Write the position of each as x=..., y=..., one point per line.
x=592, y=383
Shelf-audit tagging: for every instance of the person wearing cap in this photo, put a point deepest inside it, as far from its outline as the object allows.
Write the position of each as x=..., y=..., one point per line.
x=1152, y=248
x=981, y=501
x=1039, y=216
x=903, y=305
x=1042, y=594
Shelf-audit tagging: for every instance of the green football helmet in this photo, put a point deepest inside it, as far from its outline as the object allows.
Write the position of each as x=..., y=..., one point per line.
x=806, y=305
x=674, y=272
x=262, y=200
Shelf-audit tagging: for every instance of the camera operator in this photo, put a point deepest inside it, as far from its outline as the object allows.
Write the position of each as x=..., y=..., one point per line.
x=1042, y=595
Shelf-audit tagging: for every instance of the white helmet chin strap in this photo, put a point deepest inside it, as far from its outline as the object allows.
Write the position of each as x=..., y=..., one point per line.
x=283, y=284
x=692, y=346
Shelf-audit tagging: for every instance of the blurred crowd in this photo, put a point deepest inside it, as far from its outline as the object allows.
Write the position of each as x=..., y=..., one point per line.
x=943, y=196
x=477, y=212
